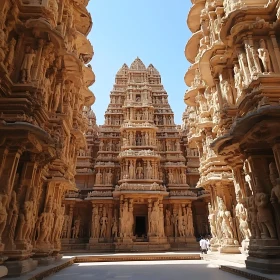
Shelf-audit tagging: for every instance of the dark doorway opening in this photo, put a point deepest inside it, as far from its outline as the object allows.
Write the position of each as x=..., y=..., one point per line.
x=140, y=226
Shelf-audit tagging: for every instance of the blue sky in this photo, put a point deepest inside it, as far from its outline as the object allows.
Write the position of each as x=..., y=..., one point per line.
x=153, y=30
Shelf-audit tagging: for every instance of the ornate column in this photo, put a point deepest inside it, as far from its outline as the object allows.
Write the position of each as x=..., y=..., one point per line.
x=9, y=169
x=149, y=215
x=110, y=219
x=70, y=220
x=3, y=154
x=276, y=49
x=276, y=152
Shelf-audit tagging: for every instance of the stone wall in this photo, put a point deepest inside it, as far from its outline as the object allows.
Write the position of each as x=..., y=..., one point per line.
x=43, y=89
x=233, y=108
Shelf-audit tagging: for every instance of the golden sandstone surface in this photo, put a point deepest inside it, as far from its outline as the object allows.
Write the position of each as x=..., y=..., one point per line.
x=139, y=182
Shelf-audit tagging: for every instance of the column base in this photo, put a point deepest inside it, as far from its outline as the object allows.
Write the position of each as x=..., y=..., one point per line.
x=18, y=268
x=244, y=247
x=3, y=271
x=229, y=249
x=94, y=240
x=124, y=240
x=18, y=254
x=155, y=239
x=268, y=266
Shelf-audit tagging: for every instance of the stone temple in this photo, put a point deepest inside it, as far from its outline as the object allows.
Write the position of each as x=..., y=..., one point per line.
x=135, y=192
x=139, y=182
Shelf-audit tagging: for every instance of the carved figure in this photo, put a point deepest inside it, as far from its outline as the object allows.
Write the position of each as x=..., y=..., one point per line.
x=2, y=39
x=131, y=170
x=115, y=226
x=58, y=224
x=170, y=177
x=45, y=225
x=168, y=223
x=53, y=6
x=154, y=220
x=57, y=96
x=12, y=221
x=183, y=177
x=275, y=192
x=241, y=214
x=109, y=177
x=103, y=222
x=27, y=64
x=252, y=214
x=95, y=229
x=227, y=91
x=65, y=226
x=11, y=54
x=238, y=81
x=98, y=180
x=3, y=213
x=180, y=223
x=189, y=227
x=264, y=216
x=225, y=220
x=76, y=228
x=264, y=57
x=139, y=171
x=149, y=170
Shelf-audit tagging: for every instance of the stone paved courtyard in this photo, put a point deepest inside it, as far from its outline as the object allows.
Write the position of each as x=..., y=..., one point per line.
x=155, y=270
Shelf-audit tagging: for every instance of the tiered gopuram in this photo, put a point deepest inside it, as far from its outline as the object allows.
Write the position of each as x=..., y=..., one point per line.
x=233, y=101
x=142, y=197
x=43, y=89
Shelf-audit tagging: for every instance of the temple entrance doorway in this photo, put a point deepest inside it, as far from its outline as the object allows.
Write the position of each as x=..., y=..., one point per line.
x=140, y=222
x=140, y=227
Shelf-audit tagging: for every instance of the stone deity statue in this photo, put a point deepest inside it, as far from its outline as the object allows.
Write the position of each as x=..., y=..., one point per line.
x=76, y=228
x=154, y=220
x=131, y=170
x=103, y=222
x=264, y=57
x=189, y=230
x=241, y=215
x=95, y=225
x=139, y=171
x=225, y=220
x=11, y=54
x=98, y=180
x=27, y=64
x=264, y=216
x=149, y=170
x=180, y=223
x=115, y=225
x=168, y=224
x=238, y=81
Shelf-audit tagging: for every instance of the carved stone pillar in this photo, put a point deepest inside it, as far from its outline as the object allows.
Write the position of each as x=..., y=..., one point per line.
x=9, y=169
x=70, y=221
x=35, y=69
x=110, y=219
x=3, y=154
x=276, y=152
x=276, y=50
x=149, y=215
x=264, y=249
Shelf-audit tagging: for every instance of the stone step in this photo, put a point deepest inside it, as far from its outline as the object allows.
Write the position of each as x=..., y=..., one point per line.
x=252, y=275
x=137, y=257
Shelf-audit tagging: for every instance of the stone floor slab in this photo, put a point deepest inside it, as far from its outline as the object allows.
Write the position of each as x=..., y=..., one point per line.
x=156, y=270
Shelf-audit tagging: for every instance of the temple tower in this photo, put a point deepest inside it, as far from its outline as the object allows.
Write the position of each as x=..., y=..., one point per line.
x=140, y=199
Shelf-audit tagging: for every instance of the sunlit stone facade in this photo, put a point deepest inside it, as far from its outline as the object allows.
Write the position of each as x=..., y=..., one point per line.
x=233, y=104
x=43, y=89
